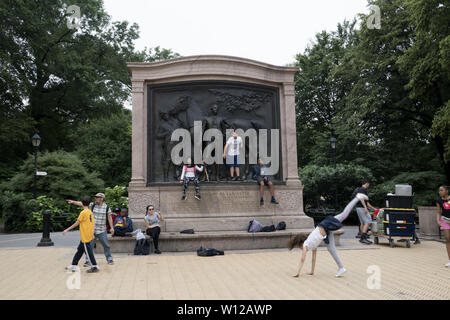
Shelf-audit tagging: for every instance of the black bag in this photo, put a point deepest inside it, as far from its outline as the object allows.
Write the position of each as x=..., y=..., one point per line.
x=146, y=248
x=281, y=226
x=268, y=229
x=142, y=247
x=138, y=248
x=209, y=252
x=188, y=231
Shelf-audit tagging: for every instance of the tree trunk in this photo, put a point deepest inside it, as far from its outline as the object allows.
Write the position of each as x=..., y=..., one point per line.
x=441, y=149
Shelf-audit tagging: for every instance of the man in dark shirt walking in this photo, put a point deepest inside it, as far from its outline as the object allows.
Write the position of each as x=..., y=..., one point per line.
x=363, y=213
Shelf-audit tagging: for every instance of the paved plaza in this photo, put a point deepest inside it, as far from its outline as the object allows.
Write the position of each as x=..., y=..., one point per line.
x=374, y=272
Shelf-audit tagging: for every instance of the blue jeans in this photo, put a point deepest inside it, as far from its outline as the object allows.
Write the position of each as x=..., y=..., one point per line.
x=103, y=237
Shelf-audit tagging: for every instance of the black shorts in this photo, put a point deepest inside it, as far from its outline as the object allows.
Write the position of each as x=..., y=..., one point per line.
x=259, y=179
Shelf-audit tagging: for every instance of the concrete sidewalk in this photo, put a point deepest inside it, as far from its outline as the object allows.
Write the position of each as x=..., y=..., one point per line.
x=414, y=273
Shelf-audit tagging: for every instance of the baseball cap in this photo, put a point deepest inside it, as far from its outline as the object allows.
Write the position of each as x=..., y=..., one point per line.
x=100, y=195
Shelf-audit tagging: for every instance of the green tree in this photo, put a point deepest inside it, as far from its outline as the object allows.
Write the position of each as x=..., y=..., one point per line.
x=104, y=145
x=53, y=77
x=427, y=64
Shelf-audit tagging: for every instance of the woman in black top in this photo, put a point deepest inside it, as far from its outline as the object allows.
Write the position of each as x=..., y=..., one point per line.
x=443, y=217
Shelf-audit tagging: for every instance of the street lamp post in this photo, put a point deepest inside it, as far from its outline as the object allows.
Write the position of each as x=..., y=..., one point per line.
x=333, y=142
x=36, y=140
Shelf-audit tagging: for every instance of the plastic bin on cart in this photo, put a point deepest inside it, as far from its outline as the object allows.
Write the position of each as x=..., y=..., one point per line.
x=395, y=201
x=399, y=230
x=399, y=215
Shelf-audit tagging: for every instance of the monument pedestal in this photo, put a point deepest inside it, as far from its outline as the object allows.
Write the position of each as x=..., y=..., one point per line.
x=223, y=93
x=224, y=206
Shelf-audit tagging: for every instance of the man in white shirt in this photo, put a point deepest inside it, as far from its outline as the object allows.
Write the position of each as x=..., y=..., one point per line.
x=231, y=153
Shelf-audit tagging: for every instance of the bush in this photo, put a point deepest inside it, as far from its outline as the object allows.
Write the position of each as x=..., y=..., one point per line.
x=115, y=197
x=320, y=182
x=67, y=177
x=34, y=222
x=424, y=184
x=15, y=210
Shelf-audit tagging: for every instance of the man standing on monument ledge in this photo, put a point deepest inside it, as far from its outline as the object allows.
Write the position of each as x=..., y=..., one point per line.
x=232, y=146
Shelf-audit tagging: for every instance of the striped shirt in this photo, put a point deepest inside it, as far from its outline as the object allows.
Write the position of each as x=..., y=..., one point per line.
x=100, y=217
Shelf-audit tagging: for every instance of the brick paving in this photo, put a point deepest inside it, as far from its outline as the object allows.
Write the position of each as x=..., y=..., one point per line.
x=414, y=273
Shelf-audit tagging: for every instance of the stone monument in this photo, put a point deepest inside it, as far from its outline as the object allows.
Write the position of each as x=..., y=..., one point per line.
x=217, y=92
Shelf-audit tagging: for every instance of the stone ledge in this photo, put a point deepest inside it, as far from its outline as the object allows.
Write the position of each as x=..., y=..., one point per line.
x=221, y=240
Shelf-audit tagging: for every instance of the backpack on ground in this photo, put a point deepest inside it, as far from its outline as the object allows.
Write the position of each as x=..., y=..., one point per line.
x=142, y=247
x=209, y=252
x=254, y=226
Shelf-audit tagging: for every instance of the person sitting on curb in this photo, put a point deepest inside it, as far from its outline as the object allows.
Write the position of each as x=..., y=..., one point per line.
x=115, y=214
x=263, y=179
x=86, y=222
x=189, y=174
x=152, y=219
x=123, y=225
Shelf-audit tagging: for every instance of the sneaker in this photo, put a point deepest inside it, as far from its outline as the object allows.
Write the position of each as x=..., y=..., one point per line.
x=274, y=201
x=362, y=196
x=110, y=262
x=93, y=270
x=340, y=272
x=417, y=241
x=197, y=196
x=261, y=202
x=157, y=251
x=358, y=235
x=86, y=264
x=240, y=179
x=365, y=241
x=183, y=197
x=448, y=264
x=72, y=268
x=234, y=179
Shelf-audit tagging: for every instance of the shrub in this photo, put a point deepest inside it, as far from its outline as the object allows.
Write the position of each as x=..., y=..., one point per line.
x=115, y=197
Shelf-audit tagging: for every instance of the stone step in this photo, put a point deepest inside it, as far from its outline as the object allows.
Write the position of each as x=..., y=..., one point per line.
x=226, y=223
x=220, y=240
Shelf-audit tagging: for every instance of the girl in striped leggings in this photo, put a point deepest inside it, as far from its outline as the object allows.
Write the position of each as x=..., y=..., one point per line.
x=310, y=243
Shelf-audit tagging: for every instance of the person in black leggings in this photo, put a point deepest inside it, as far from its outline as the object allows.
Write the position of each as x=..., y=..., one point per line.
x=152, y=219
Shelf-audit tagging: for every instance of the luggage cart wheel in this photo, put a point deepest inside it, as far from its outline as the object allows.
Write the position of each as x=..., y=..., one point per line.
x=375, y=240
x=391, y=243
x=408, y=244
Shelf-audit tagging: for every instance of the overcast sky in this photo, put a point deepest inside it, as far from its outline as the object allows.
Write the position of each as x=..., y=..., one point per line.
x=268, y=31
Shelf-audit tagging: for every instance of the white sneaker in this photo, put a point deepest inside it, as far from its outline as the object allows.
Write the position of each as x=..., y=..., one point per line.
x=341, y=272
x=362, y=196
x=72, y=268
x=448, y=264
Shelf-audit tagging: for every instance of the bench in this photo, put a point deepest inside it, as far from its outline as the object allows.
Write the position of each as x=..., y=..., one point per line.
x=221, y=240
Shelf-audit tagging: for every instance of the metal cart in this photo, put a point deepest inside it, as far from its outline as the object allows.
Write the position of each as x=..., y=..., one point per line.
x=398, y=224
